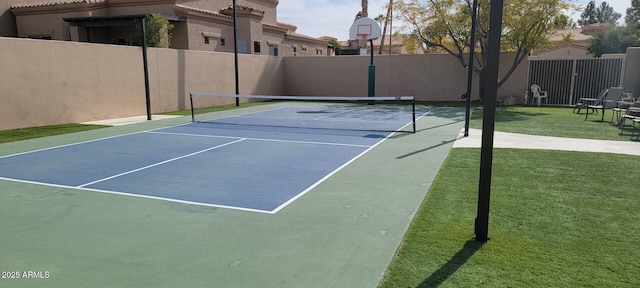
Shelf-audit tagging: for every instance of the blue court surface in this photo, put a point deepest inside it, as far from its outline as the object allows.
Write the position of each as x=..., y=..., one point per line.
x=252, y=168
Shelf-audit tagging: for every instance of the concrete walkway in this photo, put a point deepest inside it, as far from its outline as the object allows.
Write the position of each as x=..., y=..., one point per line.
x=522, y=141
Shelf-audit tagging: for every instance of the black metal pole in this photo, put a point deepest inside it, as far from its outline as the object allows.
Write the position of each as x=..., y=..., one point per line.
x=372, y=74
x=413, y=108
x=193, y=115
x=489, y=116
x=235, y=50
x=472, y=49
x=146, y=68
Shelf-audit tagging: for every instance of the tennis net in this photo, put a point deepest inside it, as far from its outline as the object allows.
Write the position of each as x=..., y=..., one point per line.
x=384, y=114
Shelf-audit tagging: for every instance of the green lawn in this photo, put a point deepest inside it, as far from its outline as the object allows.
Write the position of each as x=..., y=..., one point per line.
x=553, y=223
x=43, y=131
x=552, y=121
x=558, y=219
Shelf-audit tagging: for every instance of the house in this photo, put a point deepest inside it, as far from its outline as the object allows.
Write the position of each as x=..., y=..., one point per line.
x=198, y=24
x=395, y=44
x=570, y=43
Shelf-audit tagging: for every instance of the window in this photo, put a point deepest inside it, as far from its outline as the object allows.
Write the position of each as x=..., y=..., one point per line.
x=273, y=50
x=242, y=46
x=206, y=39
x=256, y=47
x=295, y=50
x=222, y=42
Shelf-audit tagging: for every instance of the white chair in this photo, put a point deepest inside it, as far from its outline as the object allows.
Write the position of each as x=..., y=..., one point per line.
x=538, y=93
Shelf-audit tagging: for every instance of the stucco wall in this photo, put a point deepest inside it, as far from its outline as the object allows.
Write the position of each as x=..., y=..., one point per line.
x=54, y=82
x=51, y=82
x=428, y=77
x=632, y=71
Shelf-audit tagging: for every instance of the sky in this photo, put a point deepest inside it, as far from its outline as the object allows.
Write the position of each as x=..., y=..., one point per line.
x=334, y=17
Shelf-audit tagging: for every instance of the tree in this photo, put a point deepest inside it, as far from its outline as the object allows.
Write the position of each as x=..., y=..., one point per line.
x=444, y=26
x=633, y=13
x=158, y=31
x=602, y=14
x=607, y=15
x=380, y=19
x=615, y=40
x=563, y=22
x=335, y=44
x=589, y=15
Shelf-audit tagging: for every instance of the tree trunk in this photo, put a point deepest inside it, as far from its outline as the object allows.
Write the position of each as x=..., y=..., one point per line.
x=365, y=8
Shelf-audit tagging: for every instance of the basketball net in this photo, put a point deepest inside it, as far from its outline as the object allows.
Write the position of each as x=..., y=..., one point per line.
x=362, y=41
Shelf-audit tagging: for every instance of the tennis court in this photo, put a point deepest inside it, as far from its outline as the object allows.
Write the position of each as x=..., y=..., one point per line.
x=247, y=165
x=139, y=203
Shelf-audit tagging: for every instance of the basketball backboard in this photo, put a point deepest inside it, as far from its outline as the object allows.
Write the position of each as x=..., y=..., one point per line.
x=365, y=29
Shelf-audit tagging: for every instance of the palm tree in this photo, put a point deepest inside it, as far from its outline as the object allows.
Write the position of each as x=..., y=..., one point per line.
x=365, y=8
x=380, y=18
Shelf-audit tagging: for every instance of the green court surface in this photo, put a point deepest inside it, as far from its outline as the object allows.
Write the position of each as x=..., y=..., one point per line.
x=342, y=233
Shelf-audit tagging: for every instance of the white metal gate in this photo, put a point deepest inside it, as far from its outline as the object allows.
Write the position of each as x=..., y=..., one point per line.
x=566, y=81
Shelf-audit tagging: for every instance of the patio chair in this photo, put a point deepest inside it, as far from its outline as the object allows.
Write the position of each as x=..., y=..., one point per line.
x=608, y=101
x=588, y=101
x=538, y=93
x=625, y=102
x=636, y=129
x=633, y=114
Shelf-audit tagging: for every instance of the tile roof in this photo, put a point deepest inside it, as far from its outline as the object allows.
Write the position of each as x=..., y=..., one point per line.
x=42, y=3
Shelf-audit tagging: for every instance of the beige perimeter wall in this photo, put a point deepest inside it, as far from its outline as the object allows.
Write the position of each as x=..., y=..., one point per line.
x=428, y=77
x=55, y=82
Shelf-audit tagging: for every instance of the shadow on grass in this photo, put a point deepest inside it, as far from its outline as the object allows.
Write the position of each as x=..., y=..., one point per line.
x=510, y=116
x=442, y=274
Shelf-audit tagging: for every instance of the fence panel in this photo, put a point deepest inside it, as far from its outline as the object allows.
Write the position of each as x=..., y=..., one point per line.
x=566, y=81
x=553, y=76
x=593, y=75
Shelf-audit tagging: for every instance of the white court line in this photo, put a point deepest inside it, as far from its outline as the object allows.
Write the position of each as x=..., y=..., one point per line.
x=314, y=185
x=245, y=115
x=285, y=204
x=67, y=145
x=122, y=135
x=138, y=195
x=159, y=163
x=282, y=206
x=262, y=139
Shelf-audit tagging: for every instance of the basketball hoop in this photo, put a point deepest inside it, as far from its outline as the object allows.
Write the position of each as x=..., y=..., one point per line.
x=364, y=29
x=362, y=42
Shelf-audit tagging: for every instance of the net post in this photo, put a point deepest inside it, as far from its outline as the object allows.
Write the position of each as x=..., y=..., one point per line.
x=413, y=107
x=193, y=118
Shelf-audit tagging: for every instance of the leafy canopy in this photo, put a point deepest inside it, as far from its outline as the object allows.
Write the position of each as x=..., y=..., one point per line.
x=633, y=13
x=615, y=40
x=158, y=31
x=602, y=14
x=445, y=26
